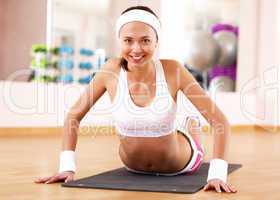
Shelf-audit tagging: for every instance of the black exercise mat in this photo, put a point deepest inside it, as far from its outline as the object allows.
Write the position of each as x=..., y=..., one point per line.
x=121, y=179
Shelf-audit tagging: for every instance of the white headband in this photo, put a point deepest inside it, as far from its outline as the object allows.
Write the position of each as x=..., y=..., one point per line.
x=141, y=16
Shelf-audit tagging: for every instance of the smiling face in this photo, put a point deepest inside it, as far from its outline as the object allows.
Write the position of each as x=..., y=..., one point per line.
x=138, y=43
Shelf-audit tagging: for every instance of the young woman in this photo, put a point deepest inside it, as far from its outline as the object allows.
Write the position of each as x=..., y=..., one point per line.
x=144, y=92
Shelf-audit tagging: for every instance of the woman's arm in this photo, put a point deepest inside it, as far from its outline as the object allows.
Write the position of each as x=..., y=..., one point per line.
x=91, y=94
x=88, y=98
x=219, y=126
x=210, y=111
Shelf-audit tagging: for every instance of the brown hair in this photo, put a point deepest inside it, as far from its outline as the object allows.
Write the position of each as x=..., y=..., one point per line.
x=123, y=62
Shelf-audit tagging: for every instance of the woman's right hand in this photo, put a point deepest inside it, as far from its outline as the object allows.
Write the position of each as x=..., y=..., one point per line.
x=59, y=177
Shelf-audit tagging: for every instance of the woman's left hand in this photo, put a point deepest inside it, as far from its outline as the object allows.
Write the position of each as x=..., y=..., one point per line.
x=219, y=185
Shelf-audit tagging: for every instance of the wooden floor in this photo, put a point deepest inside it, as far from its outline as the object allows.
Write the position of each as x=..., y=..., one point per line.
x=23, y=158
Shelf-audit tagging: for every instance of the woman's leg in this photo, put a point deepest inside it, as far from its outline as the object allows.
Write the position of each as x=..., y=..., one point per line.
x=194, y=129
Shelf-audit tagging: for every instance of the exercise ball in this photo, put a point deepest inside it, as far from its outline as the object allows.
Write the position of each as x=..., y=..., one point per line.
x=228, y=47
x=202, y=51
x=222, y=83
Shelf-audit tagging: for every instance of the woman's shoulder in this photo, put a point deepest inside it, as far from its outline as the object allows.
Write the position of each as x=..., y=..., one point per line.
x=112, y=64
x=110, y=70
x=170, y=65
x=172, y=69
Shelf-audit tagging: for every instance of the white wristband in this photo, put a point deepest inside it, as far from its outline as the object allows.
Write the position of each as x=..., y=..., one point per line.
x=67, y=161
x=218, y=170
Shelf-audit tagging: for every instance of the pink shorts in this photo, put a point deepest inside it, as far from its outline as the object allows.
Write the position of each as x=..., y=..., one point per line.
x=192, y=165
x=199, y=158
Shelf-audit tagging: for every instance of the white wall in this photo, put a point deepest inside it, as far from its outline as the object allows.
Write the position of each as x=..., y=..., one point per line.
x=24, y=24
x=248, y=43
x=258, y=58
x=60, y=17
x=269, y=62
x=84, y=27
x=173, y=20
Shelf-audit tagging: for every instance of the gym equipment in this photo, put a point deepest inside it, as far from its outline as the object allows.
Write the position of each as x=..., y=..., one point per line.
x=121, y=179
x=227, y=37
x=228, y=47
x=85, y=65
x=67, y=64
x=85, y=80
x=40, y=64
x=66, y=78
x=222, y=83
x=229, y=71
x=86, y=52
x=202, y=51
x=225, y=27
x=66, y=50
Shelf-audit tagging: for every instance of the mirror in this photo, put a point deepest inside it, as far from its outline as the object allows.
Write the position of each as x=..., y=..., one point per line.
x=81, y=35
x=77, y=42
x=204, y=38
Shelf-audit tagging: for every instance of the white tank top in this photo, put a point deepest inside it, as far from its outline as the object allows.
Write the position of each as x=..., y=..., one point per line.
x=155, y=120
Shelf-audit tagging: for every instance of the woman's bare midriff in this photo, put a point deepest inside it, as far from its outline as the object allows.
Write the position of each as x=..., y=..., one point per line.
x=165, y=154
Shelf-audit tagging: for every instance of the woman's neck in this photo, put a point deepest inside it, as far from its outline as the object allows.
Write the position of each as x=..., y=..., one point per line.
x=141, y=73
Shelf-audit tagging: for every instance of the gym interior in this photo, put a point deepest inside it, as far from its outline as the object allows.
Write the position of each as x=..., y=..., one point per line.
x=51, y=49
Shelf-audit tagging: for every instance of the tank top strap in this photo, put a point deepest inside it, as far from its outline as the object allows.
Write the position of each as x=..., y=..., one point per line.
x=124, y=81
x=162, y=87
x=121, y=86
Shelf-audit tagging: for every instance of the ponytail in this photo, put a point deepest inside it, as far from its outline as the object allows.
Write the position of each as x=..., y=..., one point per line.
x=123, y=64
